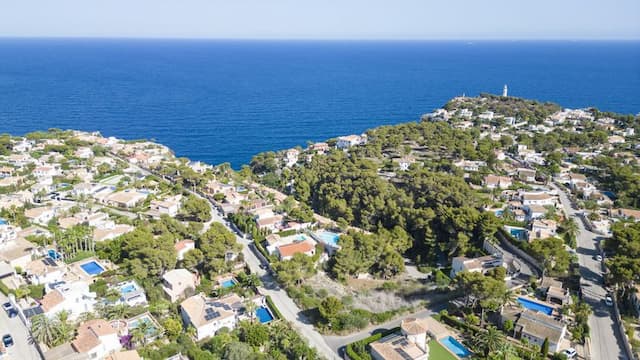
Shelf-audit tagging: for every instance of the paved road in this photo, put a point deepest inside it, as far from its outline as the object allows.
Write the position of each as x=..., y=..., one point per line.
x=282, y=301
x=337, y=343
x=23, y=349
x=606, y=340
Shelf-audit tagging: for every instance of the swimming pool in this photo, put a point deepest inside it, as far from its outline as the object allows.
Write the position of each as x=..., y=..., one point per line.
x=328, y=237
x=264, y=315
x=536, y=306
x=92, y=268
x=519, y=234
x=53, y=254
x=127, y=289
x=499, y=213
x=455, y=347
x=3, y=221
x=228, y=283
x=151, y=329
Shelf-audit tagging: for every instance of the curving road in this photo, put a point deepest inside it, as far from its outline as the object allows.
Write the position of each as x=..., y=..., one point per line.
x=606, y=340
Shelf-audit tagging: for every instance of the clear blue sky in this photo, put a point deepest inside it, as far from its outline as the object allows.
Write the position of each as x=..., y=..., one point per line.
x=323, y=19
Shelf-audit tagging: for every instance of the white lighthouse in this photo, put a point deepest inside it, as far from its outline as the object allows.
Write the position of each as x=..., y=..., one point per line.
x=505, y=90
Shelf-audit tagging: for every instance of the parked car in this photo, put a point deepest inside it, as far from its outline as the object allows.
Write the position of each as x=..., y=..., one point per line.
x=608, y=300
x=7, y=340
x=598, y=258
x=570, y=353
x=11, y=311
x=7, y=306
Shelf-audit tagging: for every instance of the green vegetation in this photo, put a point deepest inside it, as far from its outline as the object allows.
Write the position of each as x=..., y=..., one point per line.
x=437, y=351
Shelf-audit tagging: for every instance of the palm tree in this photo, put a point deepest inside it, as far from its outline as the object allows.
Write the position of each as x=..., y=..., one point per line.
x=137, y=335
x=250, y=308
x=65, y=329
x=506, y=352
x=508, y=298
x=45, y=330
x=489, y=341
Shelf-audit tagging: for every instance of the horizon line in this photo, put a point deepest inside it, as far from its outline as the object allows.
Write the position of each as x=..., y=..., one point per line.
x=319, y=39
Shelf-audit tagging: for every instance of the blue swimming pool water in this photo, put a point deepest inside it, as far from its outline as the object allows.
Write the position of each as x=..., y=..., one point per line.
x=518, y=233
x=228, y=283
x=2, y=221
x=328, y=237
x=92, y=268
x=532, y=305
x=134, y=324
x=499, y=213
x=264, y=315
x=127, y=289
x=455, y=347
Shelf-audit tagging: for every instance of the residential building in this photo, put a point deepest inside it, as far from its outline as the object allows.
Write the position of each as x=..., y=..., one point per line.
x=527, y=175
x=270, y=223
x=179, y=283
x=543, y=229
x=184, y=246
x=410, y=344
x=320, y=148
x=84, y=152
x=535, y=327
x=497, y=182
x=345, y=142
x=131, y=293
x=108, y=233
x=480, y=264
x=291, y=157
x=125, y=199
x=44, y=271
x=469, y=165
x=96, y=338
x=169, y=206
x=208, y=315
x=538, y=198
x=75, y=298
x=535, y=212
x=17, y=252
x=286, y=252
x=40, y=215
x=627, y=214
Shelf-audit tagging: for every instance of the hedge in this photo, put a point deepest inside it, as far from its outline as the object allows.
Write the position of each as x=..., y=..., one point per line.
x=273, y=307
x=4, y=289
x=351, y=354
x=261, y=249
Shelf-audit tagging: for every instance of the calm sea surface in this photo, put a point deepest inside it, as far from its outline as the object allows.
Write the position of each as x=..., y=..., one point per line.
x=224, y=101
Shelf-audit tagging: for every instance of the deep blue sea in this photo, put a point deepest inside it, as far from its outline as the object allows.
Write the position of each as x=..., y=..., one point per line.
x=224, y=101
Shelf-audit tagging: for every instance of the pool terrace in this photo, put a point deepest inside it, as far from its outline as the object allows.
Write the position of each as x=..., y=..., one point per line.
x=131, y=293
x=87, y=269
x=154, y=330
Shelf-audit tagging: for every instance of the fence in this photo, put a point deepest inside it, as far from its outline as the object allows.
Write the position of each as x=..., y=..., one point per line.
x=506, y=243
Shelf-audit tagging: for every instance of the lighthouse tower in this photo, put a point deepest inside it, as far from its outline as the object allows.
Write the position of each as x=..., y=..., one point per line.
x=504, y=90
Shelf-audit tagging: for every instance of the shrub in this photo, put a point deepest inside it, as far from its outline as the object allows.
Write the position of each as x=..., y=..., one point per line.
x=273, y=308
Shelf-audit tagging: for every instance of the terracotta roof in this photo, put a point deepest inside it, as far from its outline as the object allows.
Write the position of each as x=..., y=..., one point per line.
x=294, y=248
x=89, y=334
x=541, y=196
x=50, y=300
x=413, y=326
x=183, y=244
